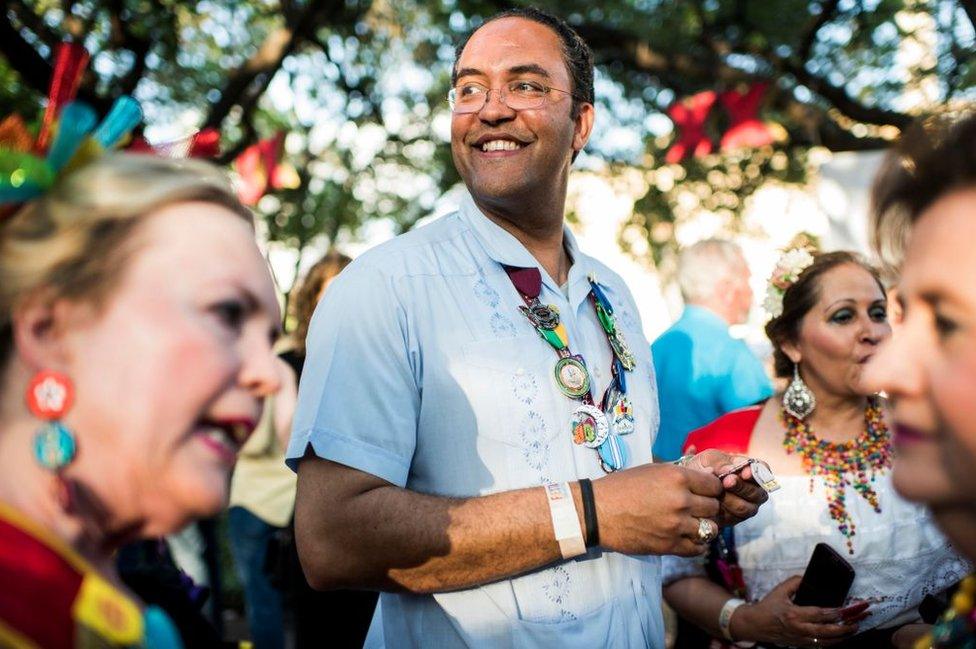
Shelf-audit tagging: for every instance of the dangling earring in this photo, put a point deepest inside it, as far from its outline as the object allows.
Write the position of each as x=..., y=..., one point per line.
x=49, y=397
x=798, y=400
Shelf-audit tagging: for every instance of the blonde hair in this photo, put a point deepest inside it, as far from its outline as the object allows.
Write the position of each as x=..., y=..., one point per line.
x=73, y=242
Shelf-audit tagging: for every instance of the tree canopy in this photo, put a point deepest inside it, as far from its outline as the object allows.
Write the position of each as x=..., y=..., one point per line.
x=360, y=87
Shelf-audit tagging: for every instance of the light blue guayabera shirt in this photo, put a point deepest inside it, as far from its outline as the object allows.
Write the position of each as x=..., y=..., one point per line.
x=702, y=373
x=422, y=371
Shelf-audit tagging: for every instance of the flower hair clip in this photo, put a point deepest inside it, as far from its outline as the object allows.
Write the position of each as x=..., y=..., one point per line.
x=70, y=135
x=788, y=269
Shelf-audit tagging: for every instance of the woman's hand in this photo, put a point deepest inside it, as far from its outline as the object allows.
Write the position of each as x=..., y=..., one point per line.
x=776, y=619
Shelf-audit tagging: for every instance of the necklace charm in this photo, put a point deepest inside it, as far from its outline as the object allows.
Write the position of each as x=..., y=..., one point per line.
x=572, y=377
x=619, y=410
x=854, y=463
x=622, y=351
x=590, y=426
x=544, y=316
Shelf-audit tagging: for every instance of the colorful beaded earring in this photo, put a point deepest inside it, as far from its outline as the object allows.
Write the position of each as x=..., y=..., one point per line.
x=49, y=397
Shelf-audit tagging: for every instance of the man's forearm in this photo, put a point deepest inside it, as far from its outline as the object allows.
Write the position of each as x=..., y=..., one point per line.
x=390, y=538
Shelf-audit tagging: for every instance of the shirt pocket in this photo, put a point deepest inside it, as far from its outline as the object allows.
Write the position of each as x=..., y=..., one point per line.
x=508, y=382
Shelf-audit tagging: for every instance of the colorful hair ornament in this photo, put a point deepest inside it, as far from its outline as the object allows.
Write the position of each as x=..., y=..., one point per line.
x=202, y=144
x=124, y=116
x=25, y=175
x=69, y=136
x=70, y=62
x=77, y=121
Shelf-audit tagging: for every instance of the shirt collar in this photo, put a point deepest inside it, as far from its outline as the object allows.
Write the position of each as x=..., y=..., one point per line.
x=502, y=247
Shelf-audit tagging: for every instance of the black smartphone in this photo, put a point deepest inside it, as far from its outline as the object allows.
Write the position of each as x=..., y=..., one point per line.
x=826, y=581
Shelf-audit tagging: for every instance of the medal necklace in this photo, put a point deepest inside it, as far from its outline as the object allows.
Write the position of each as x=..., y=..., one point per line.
x=597, y=427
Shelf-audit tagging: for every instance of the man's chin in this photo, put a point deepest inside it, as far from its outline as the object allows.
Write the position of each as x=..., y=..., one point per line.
x=496, y=191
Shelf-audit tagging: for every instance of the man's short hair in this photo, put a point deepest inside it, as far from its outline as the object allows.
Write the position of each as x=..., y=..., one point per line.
x=703, y=265
x=576, y=53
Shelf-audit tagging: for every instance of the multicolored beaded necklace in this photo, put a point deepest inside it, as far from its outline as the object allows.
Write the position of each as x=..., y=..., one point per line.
x=957, y=626
x=854, y=463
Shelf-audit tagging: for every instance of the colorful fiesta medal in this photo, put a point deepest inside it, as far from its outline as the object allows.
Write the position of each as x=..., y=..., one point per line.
x=572, y=378
x=613, y=453
x=590, y=426
x=619, y=410
x=622, y=351
x=541, y=315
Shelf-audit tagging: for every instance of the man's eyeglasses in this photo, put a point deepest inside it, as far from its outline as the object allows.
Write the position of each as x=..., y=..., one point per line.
x=517, y=95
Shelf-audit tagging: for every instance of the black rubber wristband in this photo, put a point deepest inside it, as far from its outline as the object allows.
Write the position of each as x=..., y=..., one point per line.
x=589, y=513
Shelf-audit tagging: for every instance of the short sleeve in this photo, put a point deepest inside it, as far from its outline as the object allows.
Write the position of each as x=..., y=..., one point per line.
x=746, y=383
x=358, y=398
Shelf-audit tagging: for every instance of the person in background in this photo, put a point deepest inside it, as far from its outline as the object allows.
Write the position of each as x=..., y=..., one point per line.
x=336, y=618
x=703, y=372
x=929, y=368
x=136, y=320
x=262, y=500
x=827, y=441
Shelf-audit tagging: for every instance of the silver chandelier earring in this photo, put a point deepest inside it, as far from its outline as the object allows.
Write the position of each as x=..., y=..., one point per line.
x=798, y=400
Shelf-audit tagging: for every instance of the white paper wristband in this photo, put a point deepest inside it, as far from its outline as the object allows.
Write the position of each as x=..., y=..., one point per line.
x=725, y=617
x=565, y=520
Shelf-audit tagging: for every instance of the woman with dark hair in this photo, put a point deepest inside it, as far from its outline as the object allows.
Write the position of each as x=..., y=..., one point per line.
x=827, y=441
x=928, y=187
x=262, y=495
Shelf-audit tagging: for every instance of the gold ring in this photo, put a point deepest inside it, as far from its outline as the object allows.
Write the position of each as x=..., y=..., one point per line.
x=705, y=532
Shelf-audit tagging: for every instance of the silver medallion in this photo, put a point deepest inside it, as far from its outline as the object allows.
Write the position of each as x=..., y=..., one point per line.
x=590, y=426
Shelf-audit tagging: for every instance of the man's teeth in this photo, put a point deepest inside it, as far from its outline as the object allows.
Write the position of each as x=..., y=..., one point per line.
x=500, y=145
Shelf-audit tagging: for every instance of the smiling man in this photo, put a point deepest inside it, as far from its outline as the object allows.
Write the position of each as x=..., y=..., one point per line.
x=476, y=413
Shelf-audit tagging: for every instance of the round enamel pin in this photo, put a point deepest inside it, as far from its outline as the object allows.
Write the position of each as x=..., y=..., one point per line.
x=590, y=426
x=572, y=377
x=49, y=395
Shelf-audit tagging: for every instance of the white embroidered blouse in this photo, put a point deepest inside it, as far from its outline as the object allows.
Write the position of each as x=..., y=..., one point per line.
x=899, y=555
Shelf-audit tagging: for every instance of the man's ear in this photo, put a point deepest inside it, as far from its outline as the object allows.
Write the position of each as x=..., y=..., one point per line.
x=38, y=332
x=583, y=127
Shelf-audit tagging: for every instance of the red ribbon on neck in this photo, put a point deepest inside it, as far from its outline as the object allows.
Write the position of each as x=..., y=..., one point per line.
x=527, y=281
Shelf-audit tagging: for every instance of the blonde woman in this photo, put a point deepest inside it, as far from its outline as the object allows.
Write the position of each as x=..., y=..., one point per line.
x=136, y=321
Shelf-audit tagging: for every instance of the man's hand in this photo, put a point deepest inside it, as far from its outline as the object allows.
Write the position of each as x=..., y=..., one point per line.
x=742, y=496
x=656, y=509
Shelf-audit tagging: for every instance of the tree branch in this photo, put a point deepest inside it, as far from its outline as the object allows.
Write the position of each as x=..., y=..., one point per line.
x=251, y=79
x=839, y=98
x=827, y=12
